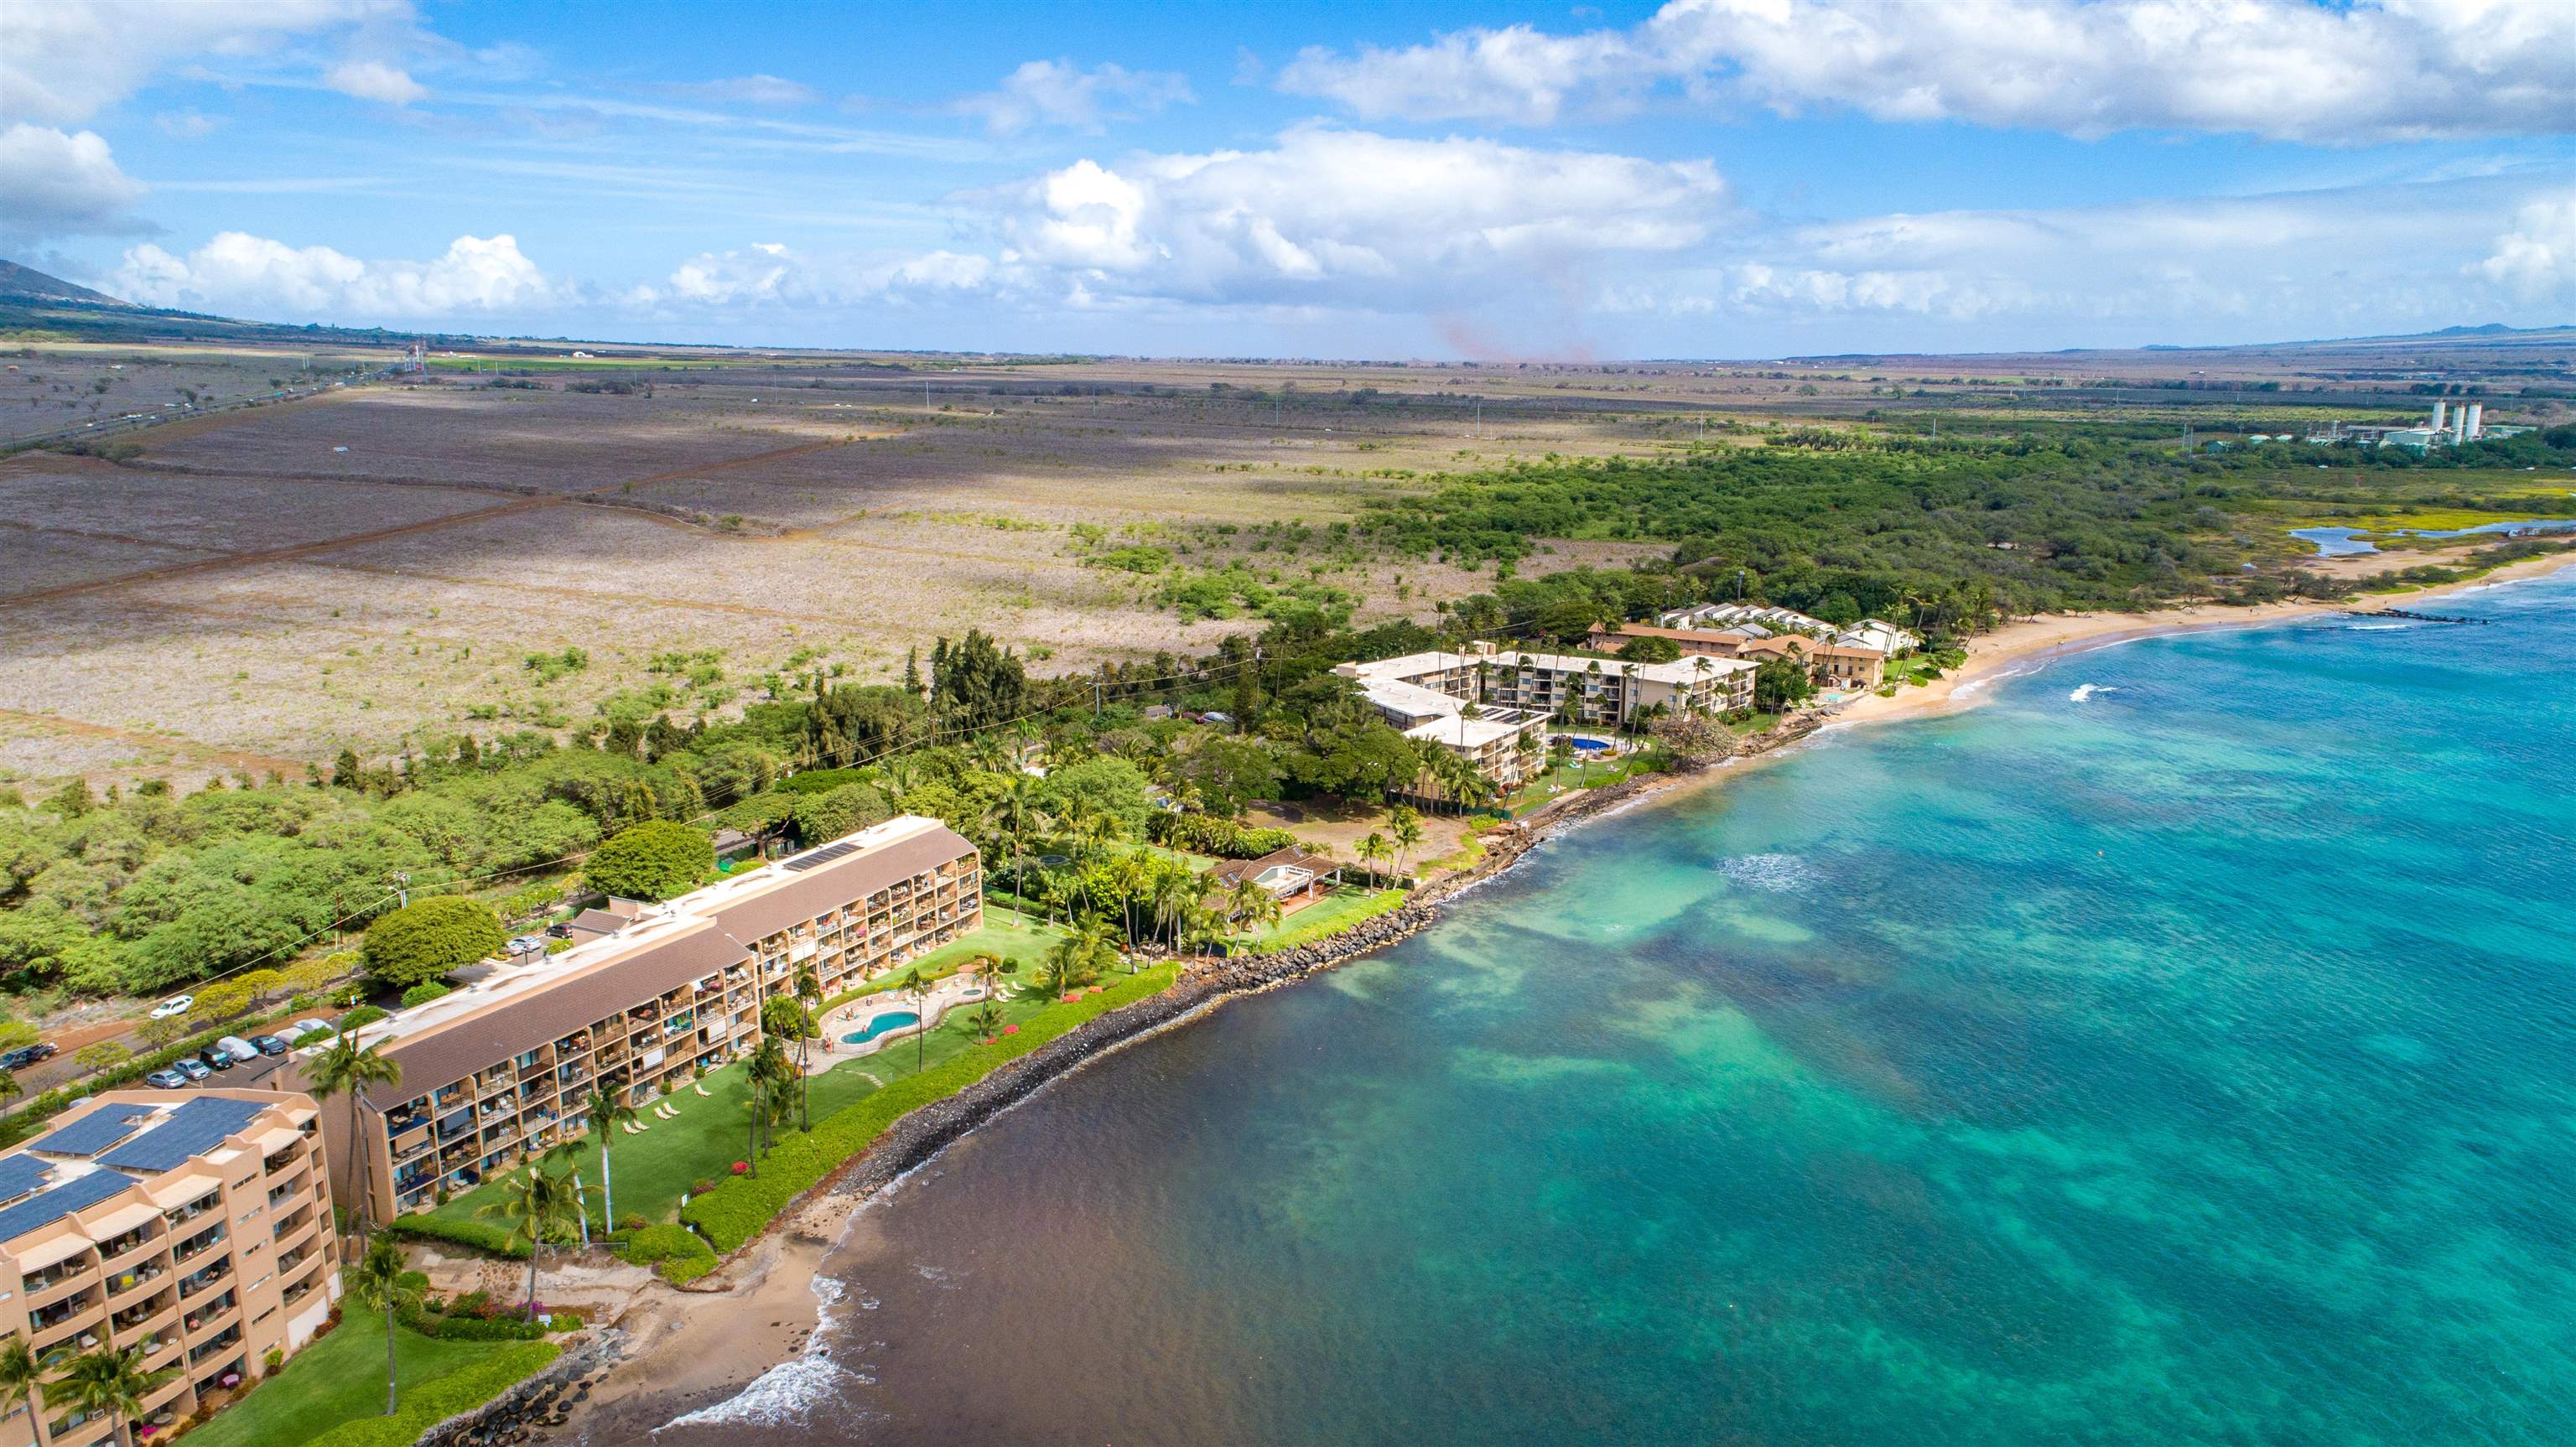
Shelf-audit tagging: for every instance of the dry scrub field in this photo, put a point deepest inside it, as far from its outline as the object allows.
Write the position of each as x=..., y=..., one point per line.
x=372, y=567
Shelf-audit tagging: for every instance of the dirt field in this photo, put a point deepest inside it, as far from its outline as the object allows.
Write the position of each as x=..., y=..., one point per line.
x=375, y=565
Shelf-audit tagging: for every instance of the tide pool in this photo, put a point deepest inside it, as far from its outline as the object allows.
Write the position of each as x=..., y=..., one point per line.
x=2179, y=1049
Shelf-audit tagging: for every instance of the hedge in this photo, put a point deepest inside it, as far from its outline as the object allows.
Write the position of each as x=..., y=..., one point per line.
x=481, y=1235
x=461, y=1390
x=675, y=1250
x=741, y=1208
x=1209, y=834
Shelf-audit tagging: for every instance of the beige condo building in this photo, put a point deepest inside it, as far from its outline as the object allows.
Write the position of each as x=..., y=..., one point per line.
x=192, y=1225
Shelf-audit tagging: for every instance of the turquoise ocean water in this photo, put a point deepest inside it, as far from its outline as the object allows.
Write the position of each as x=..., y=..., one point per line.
x=2179, y=1049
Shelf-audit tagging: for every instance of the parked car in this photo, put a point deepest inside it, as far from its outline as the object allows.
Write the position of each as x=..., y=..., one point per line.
x=216, y=1057
x=26, y=1055
x=558, y=931
x=268, y=1045
x=239, y=1049
x=302, y=1030
x=175, y=1005
x=191, y=1067
x=165, y=1080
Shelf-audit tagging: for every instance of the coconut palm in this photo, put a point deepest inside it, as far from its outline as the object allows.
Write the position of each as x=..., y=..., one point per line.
x=20, y=1377
x=111, y=1382
x=537, y=1205
x=809, y=993
x=375, y=1281
x=346, y=1067
x=1372, y=849
x=1405, y=828
x=917, y=990
x=604, y=1112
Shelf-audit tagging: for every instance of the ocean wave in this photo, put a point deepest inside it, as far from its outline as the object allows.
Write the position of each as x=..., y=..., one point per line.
x=783, y=1396
x=1771, y=873
x=2377, y=627
x=2084, y=691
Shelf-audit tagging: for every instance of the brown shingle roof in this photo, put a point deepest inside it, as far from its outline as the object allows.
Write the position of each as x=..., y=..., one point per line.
x=829, y=886
x=524, y=1022
x=1236, y=870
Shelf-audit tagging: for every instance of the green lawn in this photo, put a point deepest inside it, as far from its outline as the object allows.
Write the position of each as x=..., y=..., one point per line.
x=1006, y=933
x=1567, y=779
x=337, y=1379
x=1344, y=904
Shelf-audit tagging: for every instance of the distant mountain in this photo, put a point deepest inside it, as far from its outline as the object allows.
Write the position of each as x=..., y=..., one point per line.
x=31, y=302
x=25, y=283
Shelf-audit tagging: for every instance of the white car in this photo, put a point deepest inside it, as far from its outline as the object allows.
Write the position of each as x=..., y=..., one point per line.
x=175, y=1005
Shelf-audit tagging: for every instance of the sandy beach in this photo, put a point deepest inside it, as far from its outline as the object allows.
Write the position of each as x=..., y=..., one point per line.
x=688, y=1349
x=1993, y=654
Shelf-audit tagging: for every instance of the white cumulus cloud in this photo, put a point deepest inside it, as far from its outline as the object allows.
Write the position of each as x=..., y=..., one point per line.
x=57, y=183
x=1059, y=93
x=1331, y=216
x=64, y=59
x=2366, y=71
x=770, y=274
x=2537, y=259
x=376, y=81
x=247, y=275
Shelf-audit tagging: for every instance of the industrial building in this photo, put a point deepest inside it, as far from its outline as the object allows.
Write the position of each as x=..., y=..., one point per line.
x=193, y=1226
x=648, y=995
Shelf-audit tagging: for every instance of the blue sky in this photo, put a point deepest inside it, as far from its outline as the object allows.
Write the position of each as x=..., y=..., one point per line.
x=1703, y=178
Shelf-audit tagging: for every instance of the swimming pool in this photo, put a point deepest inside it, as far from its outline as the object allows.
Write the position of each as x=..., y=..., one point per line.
x=892, y=1020
x=1589, y=746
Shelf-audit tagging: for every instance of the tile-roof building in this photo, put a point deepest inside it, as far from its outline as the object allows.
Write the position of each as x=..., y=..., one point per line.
x=193, y=1225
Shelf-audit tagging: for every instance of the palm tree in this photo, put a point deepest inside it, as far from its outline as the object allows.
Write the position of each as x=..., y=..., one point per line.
x=10, y=1089
x=809, y=993
x=984, y=1022
x=113, y=1383
x=1371, y=850
x=20, y=1375
x=346, y=1067
x=767, y=1067
x=605, y=1112
x=918, y=990
x=536, y=1204
x=375, y=1281
x=1406, y=828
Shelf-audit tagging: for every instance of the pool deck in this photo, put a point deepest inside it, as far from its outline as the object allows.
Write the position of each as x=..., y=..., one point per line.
x=950, y=992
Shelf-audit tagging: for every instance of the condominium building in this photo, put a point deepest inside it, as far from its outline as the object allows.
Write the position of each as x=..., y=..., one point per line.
x=1542, y=686
x=192, y=1225
x=1831, y=663
x=1502, y=744
x=647, y=995
x=1610, y=692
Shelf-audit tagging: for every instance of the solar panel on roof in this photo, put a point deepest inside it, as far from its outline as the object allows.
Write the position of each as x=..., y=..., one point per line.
x=93, y=1132
x=47, y=1207
x=824, y=855
x=19, y=1175
x=199, y=1125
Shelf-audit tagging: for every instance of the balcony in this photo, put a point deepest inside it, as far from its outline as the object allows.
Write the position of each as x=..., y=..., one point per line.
x=70, y=1309
x=115, y=1253
x=54, y=1281
x=197, y=1281
x=197, y=1245
x=230, y=1337
x=125, y=1283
